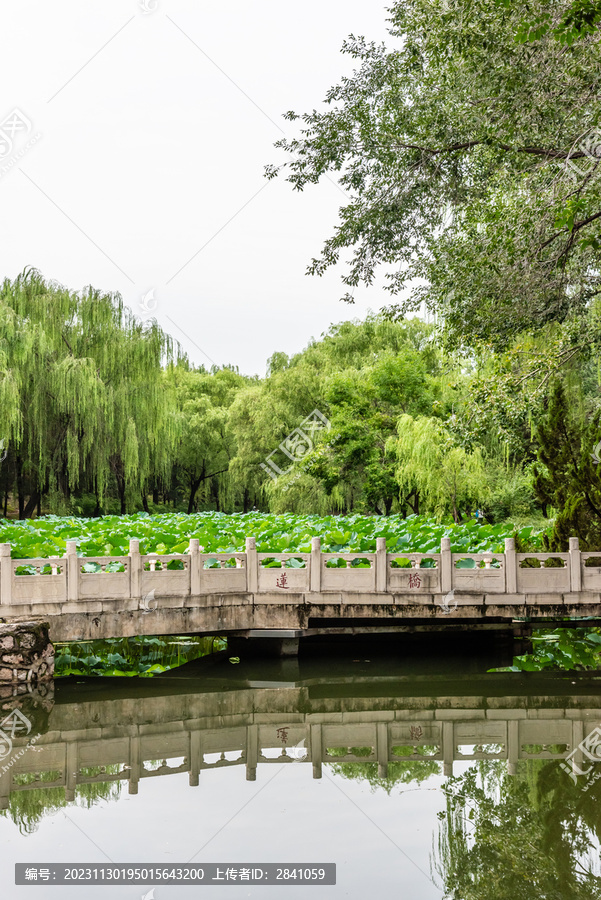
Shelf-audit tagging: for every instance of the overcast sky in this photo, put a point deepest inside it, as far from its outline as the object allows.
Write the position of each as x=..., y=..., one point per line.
x=142, y=138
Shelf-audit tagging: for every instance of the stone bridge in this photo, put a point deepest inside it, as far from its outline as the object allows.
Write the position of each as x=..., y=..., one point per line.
x=159, y=729
x=289, y=595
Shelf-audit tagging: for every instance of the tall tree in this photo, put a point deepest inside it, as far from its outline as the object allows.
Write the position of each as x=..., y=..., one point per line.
x=568, y=476
x=206, y=442
x=429, y=462
x=81, y=397
x=470, y=156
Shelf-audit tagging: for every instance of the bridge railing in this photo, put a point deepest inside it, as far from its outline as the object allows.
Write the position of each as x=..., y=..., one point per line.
x=79, y=580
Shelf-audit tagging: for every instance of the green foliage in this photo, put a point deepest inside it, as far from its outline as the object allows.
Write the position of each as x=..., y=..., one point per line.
x=81, y=395
x=117, y=414
x=143, y=656
x=468, y=157
x=206, y=443
x=399, y=773
x=221, y=533
x=361, y=376
x=511, y=494
x=581, y=18
x=568, y=476
x=28, y=808
x=449, y=478
x=570, y=649
x=525, y=836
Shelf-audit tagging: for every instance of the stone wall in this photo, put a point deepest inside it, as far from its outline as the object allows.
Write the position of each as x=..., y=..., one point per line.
x=26, y=654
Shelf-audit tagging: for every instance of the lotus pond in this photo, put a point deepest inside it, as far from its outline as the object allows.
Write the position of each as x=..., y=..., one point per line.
x=226, y=533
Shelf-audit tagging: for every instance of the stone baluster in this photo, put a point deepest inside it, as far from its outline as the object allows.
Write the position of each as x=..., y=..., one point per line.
x=511, y=567
x=382, y=750
x=381, y=569
x=252, y=566
x=315, y=565
x=448, y=747
x=575, y=565
x=252, y=751
x=194, y=567
x=135, y=569
x=316, y=750
x=72, y=571
x=195, y=757
x=135, y=764
x=446, y=565
x=71, y=770
x=6, y=575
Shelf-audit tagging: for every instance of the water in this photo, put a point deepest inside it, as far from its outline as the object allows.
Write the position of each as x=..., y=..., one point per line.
x=335, y=758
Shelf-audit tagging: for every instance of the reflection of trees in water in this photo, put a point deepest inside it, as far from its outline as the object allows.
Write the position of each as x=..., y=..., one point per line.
x=28, y=808
x=398, y=772
x=530, y=836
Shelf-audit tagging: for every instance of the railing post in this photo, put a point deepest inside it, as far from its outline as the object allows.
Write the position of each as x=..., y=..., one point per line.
x=5, y=575
x=252, y=751
x=135, y=570
x=448, y=747
x=252, y=566
x=381, y=571
x=513, y=746
x=135, y=764
x=316, y=747
x=194, y=552
x=195, y=757
x=446, y=565
x=382, y=749
x=72, y=764
x=511, y=567
x=575, y=566
x=72, y=571
x=315, y=565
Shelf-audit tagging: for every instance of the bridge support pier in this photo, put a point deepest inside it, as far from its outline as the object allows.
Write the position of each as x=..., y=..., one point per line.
x=280, y=642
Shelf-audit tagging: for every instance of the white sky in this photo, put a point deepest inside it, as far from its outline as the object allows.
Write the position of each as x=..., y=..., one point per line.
x=148, y=152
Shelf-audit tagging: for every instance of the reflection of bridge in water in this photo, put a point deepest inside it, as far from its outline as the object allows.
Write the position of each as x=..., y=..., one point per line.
x=101, y=734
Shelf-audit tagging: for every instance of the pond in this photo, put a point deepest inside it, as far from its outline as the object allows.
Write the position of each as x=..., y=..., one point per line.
x=414, y=770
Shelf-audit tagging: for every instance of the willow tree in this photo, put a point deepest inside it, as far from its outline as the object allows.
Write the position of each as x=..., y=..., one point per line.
x=82, y=399
x=447, y=477
x=206, y=441
x=533, y=834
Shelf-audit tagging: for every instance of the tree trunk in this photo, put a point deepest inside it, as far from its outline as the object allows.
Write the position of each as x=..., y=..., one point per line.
x=216, y=494
x=19, y=473
x=31, y=505
x=155, y=495
x=6, y=503
x=194, y=485
x=121, y=490
x=415, y=505
x=246, y=500
x=145, y=502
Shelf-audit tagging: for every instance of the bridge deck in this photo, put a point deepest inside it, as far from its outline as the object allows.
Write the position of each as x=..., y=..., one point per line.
x=196, y=592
